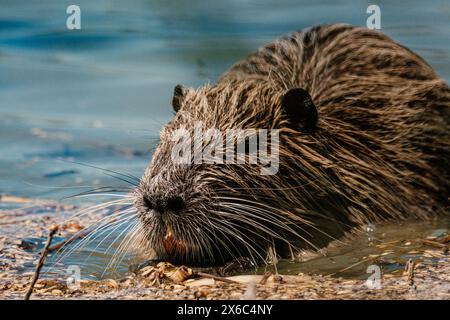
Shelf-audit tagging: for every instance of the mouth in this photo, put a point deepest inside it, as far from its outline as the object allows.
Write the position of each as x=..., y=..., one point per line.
x=202, y=249
x=174, y=246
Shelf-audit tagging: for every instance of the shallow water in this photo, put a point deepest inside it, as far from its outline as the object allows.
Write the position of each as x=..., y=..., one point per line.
x=100, y=95
x=388, y=246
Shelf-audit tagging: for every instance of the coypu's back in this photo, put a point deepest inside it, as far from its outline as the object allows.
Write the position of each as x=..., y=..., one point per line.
x=383, y=136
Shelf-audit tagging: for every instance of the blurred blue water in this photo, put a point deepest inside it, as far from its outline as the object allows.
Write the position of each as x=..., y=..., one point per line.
x=100, y=95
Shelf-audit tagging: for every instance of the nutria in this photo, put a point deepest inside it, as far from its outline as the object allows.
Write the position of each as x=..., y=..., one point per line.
x=364, y=136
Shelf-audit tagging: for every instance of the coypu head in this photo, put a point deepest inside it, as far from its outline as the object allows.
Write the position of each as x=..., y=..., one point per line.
x=203, y=212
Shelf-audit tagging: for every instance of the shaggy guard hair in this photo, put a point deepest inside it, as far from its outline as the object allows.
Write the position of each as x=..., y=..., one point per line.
x=380, y=150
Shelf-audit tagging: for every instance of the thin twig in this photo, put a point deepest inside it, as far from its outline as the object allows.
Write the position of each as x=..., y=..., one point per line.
x=433, y=243
x=265, y=277
x=409, y=270
x=53, y=230
x=207, y=275
x=79, y=235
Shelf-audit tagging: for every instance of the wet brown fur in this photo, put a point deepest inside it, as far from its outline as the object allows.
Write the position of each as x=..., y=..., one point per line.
x=381, y=149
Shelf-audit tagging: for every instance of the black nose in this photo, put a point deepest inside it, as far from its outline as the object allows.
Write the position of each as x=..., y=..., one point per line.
x=164, y=204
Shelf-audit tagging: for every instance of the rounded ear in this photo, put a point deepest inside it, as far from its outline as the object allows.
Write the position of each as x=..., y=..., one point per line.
x=178, y=94
x=300, y=110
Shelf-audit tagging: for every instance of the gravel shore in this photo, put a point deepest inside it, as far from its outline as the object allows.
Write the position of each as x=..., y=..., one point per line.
x=429, y=280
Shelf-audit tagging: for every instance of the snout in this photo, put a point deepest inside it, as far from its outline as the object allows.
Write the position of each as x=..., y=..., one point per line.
x=160, y=204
